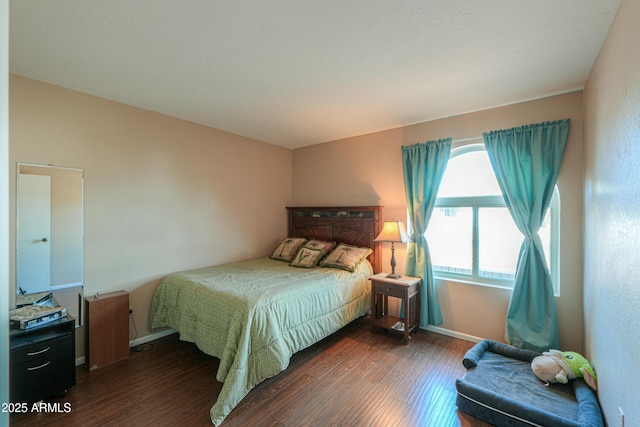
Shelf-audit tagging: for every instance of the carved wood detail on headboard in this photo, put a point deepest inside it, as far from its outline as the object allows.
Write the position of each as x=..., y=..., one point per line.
x=352, y=225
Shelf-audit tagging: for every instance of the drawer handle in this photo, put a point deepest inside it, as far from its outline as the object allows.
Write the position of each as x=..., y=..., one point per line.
x=388, y=289
x=35, y=368
x=39, y=352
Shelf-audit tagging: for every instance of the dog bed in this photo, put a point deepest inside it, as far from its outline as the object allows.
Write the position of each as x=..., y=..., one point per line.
x=500, y=388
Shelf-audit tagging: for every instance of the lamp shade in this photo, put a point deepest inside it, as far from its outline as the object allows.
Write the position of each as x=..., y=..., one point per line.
x=393, y=231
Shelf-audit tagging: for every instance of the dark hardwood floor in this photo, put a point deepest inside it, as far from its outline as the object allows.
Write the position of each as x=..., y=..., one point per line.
x=352, y=378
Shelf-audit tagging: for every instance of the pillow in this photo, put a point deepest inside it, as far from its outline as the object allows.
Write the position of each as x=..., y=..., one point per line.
x=287, y=249
x=307, y=257
x=320, y=244
x=345, y=257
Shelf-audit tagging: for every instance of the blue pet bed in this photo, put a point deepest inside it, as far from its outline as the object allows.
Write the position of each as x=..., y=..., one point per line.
x=500, y=388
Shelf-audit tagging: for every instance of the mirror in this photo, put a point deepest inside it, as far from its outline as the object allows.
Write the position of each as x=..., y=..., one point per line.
x=49, y=236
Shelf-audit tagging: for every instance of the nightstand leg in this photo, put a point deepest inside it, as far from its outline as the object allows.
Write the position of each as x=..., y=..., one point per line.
x=407, y=315
x=373, y=312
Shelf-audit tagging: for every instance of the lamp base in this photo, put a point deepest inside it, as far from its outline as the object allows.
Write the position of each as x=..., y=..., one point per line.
x=393, y=274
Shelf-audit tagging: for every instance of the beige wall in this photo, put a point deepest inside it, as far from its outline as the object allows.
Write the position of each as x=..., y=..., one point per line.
x=612, y=217
x=367, y=170
x=161, y=194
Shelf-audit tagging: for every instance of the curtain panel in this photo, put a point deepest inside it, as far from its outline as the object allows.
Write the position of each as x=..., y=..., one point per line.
x=423, y=165
x=526, y=161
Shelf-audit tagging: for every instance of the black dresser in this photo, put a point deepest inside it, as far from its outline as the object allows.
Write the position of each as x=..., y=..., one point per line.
x=42, y=361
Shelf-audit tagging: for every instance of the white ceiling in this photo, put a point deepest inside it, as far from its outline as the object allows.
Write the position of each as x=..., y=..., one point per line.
x=300, y=72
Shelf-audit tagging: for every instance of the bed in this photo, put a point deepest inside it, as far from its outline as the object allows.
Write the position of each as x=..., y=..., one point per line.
x=254, y=315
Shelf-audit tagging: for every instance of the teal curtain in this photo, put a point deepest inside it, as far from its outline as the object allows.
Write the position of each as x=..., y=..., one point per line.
x=423, y=166
x=526, y=161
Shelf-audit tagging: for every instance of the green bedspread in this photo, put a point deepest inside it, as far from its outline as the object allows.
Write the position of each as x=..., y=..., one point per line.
x=254, y=315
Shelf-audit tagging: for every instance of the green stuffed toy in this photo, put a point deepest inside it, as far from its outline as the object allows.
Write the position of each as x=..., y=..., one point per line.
x=555, y=366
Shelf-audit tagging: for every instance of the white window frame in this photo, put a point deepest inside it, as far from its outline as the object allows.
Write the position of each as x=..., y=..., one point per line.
x=497, y=201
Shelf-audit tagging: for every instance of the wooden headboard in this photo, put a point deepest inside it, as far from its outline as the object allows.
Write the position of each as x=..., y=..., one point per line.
x=352, y=225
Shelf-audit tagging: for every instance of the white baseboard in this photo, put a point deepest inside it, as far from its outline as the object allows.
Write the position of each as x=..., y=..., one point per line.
x=151, y=337
x=450, y=333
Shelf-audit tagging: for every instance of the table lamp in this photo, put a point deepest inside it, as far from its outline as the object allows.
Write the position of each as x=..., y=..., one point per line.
x=393, y=231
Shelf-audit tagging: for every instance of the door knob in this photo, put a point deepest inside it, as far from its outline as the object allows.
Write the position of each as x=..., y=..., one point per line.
x=44, y=239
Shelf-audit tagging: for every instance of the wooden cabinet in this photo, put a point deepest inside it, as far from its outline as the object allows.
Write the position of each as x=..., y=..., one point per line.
x=107, y=326
x=407, y=289
x=43, y=361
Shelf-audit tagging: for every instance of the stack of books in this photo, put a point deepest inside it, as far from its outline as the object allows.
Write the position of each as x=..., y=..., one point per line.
x=30, y=316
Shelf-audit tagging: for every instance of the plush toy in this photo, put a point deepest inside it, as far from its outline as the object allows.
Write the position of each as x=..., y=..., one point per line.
x=559, y=367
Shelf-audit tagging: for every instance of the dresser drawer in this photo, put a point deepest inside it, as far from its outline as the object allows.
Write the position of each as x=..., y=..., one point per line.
x=391, y=290
x=42, y=377
x=36, y=349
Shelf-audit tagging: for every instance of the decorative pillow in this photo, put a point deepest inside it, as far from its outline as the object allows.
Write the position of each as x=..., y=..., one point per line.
x=320, y=244
x=287, y=249
x=345, y=257
x=307, y=257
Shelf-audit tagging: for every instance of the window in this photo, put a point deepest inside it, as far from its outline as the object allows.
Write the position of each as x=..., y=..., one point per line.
x=471, y=235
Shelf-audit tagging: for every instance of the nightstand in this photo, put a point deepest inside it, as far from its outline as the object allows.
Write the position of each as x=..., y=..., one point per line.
x=408, y=290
